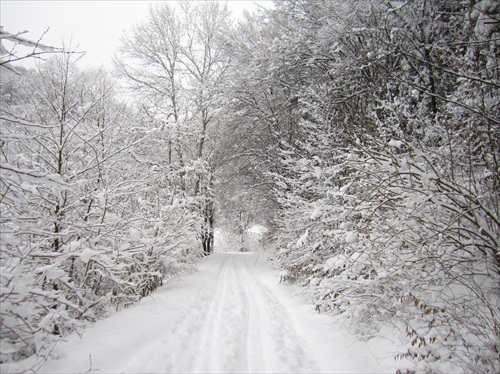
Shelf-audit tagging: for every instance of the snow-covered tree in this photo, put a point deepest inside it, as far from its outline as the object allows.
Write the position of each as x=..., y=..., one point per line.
x=14, y=47
x=181, y=88
x=87, y=219
x=388, y=203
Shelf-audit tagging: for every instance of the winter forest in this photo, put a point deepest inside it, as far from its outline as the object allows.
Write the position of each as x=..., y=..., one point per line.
x=364, y=135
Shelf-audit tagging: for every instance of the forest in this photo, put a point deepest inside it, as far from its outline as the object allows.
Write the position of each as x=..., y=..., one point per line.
x=365, y=135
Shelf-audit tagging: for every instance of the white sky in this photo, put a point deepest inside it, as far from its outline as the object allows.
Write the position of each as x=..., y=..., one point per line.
x=94, y=26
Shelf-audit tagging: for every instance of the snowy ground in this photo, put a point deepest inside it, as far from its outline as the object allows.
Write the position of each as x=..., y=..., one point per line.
x=231, y=316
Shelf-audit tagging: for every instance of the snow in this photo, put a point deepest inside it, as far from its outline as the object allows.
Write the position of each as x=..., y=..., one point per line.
x=335, y=263
x=258, y=229
x=303, y=239
x=232, y=315
x=351, y=236
x=87, y=254
x=134, y=234
x=316, y=212
x=395, y=143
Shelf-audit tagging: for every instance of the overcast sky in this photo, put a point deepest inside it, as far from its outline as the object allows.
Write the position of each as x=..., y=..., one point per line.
x=96, y=26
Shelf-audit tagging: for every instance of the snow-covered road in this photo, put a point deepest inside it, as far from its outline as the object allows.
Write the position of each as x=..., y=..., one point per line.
x=244, y=329
x=231, y=316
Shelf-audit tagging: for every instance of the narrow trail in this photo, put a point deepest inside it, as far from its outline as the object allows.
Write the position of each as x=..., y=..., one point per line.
x=229, y=317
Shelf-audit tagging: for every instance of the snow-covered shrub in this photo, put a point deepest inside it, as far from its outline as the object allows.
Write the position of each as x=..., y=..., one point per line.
x=400, y=244
x=388, y=189
x=417, y=259
x=86, y=222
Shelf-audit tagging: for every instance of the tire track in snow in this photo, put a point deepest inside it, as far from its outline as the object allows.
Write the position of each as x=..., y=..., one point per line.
x=224, y=346
x=285, y=350
x=255, y=360
x=203, y=361
x=246, y=329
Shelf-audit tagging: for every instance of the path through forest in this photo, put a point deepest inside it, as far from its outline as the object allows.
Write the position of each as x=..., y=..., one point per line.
x=230, y=316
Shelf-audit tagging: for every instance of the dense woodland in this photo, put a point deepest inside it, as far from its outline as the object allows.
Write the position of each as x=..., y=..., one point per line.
x=364, y=134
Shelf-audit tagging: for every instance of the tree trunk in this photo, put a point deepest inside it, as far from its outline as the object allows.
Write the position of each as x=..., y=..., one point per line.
x=208, y=229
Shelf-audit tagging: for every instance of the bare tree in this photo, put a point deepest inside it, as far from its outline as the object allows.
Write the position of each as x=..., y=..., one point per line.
x=181, y=90
x=15, y=48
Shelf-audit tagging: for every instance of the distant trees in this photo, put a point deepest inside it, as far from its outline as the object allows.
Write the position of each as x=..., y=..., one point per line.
x=260, y=115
